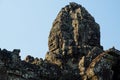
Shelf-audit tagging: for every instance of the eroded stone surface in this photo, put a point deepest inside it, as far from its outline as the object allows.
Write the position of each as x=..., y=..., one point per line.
x=74, y=52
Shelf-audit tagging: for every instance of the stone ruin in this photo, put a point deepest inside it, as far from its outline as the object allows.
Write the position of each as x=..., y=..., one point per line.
x=74, y=52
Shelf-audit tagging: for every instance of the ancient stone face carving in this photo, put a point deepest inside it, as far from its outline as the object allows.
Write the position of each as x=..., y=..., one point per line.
x=73, y=33
x=76, y=26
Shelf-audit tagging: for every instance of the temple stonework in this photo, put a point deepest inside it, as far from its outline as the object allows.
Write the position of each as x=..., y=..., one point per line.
x=75, y=52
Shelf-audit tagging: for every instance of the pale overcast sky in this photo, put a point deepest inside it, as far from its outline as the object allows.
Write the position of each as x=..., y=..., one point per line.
x=25, y=24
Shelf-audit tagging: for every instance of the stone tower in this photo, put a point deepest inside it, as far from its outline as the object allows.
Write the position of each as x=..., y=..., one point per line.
x=74, y=42
x=74, y=32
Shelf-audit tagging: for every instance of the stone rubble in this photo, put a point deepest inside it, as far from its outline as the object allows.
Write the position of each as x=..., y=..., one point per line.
x=75, y=52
